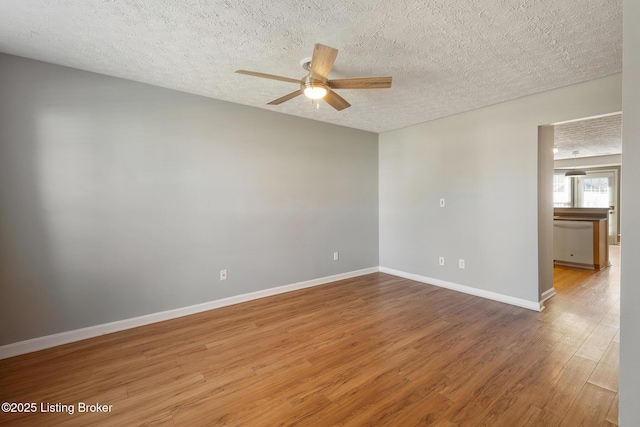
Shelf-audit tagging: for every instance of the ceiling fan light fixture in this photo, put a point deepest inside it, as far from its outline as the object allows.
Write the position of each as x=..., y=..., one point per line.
x=315, y=91
x=316, y=84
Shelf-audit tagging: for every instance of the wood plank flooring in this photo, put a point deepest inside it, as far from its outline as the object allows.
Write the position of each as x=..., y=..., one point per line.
x=373, y=350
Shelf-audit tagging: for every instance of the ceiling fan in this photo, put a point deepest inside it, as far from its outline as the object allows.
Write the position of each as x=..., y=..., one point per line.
x=316, y=85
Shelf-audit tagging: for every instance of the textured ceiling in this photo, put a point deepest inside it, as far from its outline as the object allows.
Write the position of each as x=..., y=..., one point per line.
x=445, y=56
x=593, y=137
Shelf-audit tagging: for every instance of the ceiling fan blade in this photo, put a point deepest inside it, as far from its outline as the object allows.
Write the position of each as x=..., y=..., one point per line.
x=286, y=97
x=361, y=83
x=268, y=76
x=322, y=61
x=336, y=101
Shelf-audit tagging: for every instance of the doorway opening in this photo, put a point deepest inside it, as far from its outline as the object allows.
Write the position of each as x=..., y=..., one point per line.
x=586, y=306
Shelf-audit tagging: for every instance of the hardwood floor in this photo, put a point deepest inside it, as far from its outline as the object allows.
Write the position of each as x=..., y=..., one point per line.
x=374, y=350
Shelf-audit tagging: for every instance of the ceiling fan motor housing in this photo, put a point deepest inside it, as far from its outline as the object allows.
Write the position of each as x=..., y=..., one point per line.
x=306, y=64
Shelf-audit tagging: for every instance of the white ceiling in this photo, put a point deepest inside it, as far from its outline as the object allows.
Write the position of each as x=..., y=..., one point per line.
x=445, y=56
x=600, y=136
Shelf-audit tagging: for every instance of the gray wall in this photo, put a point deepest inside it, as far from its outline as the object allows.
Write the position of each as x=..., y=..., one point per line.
x=484, y=163
x=119, y=199
x=545, y=209
x=630, y=222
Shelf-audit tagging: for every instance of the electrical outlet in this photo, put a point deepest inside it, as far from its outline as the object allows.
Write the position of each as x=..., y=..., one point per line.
x=461, y=263
x=336, y=256
x=223, y=274
x=442, y=203
x=441, y=260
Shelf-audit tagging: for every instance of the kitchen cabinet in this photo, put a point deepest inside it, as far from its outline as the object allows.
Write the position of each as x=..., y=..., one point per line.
x=580, y=239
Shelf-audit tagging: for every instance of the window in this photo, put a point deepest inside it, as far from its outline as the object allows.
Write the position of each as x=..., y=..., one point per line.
x=581, y=192
x=595, y=193
x=561, y=191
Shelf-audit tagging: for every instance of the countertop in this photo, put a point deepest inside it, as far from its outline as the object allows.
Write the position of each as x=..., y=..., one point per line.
x=578, y=218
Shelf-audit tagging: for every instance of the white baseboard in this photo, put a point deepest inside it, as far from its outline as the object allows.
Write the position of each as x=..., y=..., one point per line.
x=49, y=341
x=547, y=294
x=536, y=306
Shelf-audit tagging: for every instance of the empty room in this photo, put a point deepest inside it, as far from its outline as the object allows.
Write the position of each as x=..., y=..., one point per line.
x=341, y=213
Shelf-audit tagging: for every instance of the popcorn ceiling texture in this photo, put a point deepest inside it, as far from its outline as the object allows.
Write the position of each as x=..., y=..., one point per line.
x=594, y=137
x=445, y=56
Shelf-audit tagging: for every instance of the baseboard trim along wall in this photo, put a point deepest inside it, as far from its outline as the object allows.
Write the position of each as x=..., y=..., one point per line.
x=536, y=306
x=49, y=341
x=547, y=294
